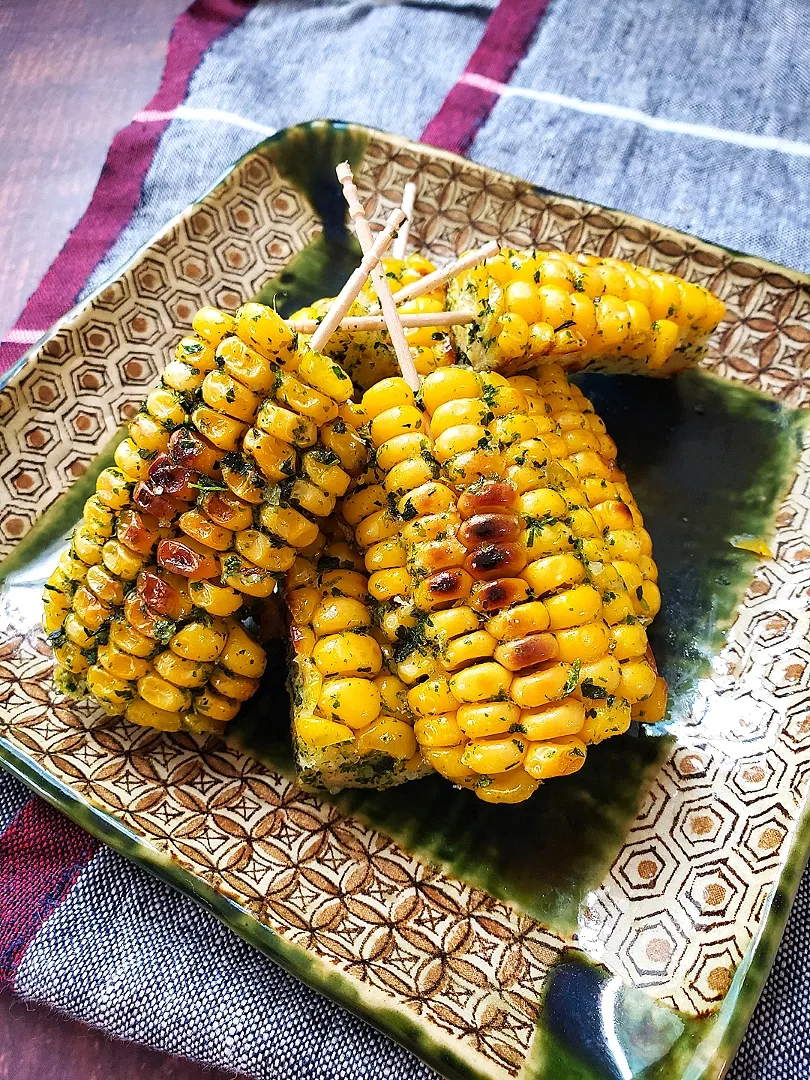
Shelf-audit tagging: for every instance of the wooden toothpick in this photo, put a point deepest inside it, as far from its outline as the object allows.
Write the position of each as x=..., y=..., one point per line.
x=389, y=310
x=347, y=295
x=439, y=277
x=400, y=245
x=358, y=323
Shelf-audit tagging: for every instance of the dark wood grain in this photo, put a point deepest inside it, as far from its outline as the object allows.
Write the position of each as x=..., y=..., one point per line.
x=74, y=73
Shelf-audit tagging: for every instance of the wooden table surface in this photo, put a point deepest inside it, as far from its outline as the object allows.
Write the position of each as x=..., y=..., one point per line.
x=74, y=72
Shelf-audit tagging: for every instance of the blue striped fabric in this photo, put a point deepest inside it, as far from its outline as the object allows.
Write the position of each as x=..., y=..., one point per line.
x=662, y=108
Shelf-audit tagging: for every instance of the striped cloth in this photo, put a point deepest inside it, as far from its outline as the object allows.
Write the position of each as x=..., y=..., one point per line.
x=691, y=112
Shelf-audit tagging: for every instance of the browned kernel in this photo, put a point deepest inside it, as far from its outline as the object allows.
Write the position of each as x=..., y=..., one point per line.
x=527, y=651
x=490, y=497
x=489, y=527
x=494, y=595
x=495, y=560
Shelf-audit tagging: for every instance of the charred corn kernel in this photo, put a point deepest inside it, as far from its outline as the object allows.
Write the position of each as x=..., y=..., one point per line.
x=564, y=717
x=263, y=328
x=179, y=672
x=638, y=680
x=487, y=718
x=71, y=658
x=236, y=687
x=352, y=701
x=111, y=693
x=145, y=715
x=604, y=719
x=560, y=757
x=338, y=613
x=441, y=730
x=196, y=641
x=653, y=708
x=130, y=462
x=481, y=682
x=446, y=760
x=113, y=489
x=215, y=706
x=163, y=694
x=509, y=787
x=387, y=735
x=127, y=639
x=122, y=665
x=347, y=653
x=215, y=599
x=319, y=732
x=495, y=754
x=212, y=325
x=223, y=431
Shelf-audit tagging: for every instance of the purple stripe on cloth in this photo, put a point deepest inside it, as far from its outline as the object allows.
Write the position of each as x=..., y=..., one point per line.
x=41, y=855
x=505, y=41
x=119, y=186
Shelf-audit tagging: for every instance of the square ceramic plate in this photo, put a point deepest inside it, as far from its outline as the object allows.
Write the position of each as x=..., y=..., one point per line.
x=623, y=920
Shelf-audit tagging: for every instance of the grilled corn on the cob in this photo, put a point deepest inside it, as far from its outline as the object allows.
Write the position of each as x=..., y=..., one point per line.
x=246, y=451
x=514, y=571
x=580, y=311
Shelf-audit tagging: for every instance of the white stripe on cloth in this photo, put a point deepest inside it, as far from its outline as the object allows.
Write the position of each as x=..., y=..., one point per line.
x=216, y=116
x=13, y=797
x=23, y=337
x=636, y=116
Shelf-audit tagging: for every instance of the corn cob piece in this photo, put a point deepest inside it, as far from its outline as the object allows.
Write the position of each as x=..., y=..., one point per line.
x=351, y=723
x=580, y=311
x=368, y=356
x=253, y=511
x=515, y=574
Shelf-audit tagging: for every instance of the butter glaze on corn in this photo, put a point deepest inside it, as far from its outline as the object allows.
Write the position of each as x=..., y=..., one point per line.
x=581, y=312
x=492, y=546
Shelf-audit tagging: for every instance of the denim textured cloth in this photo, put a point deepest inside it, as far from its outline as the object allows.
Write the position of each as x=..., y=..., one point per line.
x=690, y=112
